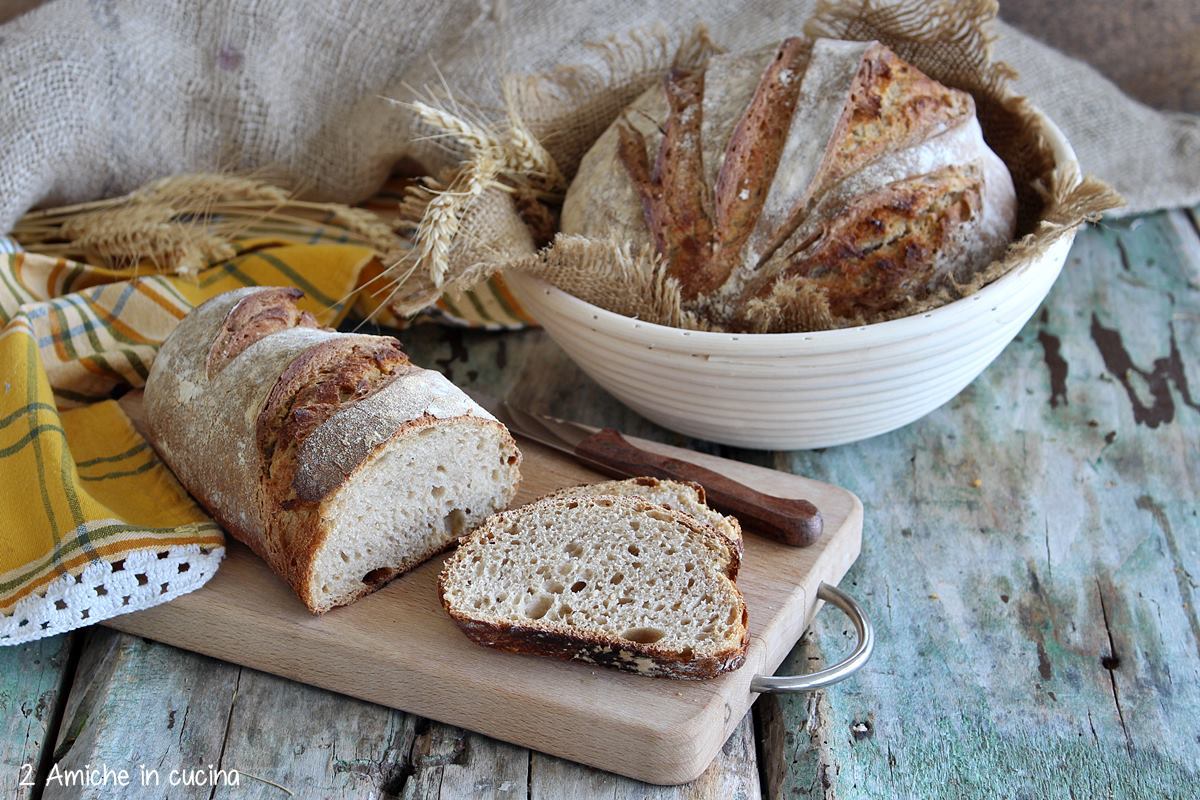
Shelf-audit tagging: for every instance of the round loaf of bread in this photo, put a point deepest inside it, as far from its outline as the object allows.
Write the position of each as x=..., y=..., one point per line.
x=822, y=165
x=333, y=457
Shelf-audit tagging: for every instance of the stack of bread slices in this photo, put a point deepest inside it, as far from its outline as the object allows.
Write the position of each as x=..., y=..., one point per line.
x=636, y=574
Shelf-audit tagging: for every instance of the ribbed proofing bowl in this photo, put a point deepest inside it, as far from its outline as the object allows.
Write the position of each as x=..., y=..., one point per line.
x=785, y=391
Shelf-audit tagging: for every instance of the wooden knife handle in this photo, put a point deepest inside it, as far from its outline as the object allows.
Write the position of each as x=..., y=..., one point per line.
x=794, y=522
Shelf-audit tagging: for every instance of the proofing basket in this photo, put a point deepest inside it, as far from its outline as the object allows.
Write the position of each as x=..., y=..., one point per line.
x=786, y=391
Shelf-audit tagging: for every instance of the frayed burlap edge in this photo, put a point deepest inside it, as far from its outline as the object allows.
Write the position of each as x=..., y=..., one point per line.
x=483, y=236
x=635, y=280
x=469, y=224
x=569, y=108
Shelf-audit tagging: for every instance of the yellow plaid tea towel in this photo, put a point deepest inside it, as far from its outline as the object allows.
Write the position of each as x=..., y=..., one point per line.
x=92, y=524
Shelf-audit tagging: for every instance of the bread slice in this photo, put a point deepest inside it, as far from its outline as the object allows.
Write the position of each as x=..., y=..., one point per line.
x=609, y=580
x=685, y=496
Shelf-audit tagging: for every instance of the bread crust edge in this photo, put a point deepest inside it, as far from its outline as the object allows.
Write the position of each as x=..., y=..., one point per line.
x=602, y=651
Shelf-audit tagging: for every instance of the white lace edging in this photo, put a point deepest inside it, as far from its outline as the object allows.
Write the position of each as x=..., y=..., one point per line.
x=107, y=589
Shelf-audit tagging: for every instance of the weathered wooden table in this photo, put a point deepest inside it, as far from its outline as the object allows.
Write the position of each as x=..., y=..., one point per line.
x=1031, y=557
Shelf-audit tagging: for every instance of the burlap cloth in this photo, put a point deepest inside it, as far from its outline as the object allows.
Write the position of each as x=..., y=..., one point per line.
x=99, y=98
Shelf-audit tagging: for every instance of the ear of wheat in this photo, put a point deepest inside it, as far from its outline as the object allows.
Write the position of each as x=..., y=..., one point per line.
x=519, y=158
x=185, y=223
x=441, y=212
x=504, y=156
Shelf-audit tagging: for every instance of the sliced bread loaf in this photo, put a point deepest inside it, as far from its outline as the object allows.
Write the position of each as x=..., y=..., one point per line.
x=609, y=580
x=685, y=496
x=333, y=457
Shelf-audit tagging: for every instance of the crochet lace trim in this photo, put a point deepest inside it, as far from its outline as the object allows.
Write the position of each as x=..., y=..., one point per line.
x=105, y=589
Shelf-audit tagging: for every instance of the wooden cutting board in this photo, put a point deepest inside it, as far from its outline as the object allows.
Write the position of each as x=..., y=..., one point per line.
x=398, y=647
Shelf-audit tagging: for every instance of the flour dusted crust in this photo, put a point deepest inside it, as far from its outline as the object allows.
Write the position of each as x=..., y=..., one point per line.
x=832, y=165
x=206, y=430
x=254, y=317
x=417, y=398
x=295, y=437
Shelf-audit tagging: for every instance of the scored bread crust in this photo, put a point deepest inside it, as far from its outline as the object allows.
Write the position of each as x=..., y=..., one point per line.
x=314, y=387
x=534, y=638
x=791, y=141
x=219, y=429
x=254, y=317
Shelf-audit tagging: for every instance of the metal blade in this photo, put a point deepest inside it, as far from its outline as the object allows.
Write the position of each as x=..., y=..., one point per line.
x=521, y=422
x=530, y=426
x=562, y=435
x=565, y=431
x=558, y=434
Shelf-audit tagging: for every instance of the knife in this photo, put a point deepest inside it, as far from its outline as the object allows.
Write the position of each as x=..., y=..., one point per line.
x=790, y=521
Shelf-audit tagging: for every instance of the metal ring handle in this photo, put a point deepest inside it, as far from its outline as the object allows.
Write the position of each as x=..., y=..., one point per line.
x=783, y=684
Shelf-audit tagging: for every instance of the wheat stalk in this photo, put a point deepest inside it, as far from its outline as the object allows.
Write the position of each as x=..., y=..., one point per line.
x=512, y=160
x=436, y=234
x=125, y=236
x=194, y=188
x=518, y=152
x=187, y=222
x=443, y=215
x=474, y=136
x=527, y=155
x=367, y=225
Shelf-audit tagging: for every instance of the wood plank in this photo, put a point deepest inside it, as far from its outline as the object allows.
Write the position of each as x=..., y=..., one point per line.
x=734, y=774
x=1038, y=629
x=983, y=589
x=957, y=673
x=135, y=704
x=31, y=678
x=311, y=742
x=192, y=711
x=399, y=648
x=450, y=762
x=442, y=761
